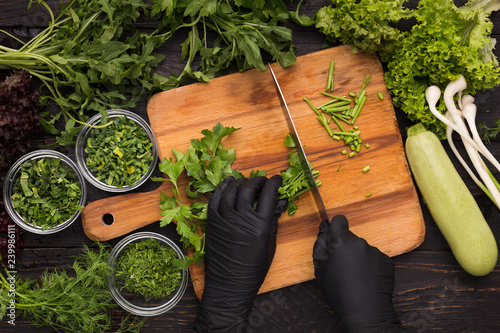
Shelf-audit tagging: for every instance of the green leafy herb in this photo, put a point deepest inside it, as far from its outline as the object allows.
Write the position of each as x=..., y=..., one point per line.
x=243, y=30
x=295, y=182
x=119, y=154
x=148, y=268
x=90, y=58
x=489, y=133
x=366, y=24
x=74, y=303
x=19, y=114
x=207, y=163
x=46, y=193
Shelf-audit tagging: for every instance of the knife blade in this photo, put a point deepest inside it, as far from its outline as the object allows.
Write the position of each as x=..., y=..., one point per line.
x=300, y=151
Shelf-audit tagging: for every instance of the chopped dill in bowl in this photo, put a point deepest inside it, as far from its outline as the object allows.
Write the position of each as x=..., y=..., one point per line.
x=148, y=268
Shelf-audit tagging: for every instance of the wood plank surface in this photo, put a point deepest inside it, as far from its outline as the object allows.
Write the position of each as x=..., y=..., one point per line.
x=390, y=218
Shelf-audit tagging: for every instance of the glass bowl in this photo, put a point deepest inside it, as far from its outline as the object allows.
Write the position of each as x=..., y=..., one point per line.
x=135, y=303
x=12, y=175
x=81, y=155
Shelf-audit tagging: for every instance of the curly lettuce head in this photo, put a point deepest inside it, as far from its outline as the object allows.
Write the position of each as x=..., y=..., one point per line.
x=446, y=41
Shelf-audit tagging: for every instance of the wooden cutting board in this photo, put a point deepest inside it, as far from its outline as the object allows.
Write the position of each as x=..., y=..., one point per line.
x=390, y=219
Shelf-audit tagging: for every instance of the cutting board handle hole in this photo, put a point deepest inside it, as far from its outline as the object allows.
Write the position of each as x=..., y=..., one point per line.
x=108, y=219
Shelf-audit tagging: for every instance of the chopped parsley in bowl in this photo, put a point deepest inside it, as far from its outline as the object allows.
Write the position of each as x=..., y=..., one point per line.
x=147, y=277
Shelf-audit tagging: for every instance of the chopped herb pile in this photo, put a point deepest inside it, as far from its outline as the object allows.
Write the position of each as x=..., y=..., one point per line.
x=46, y=192
x=119, y=154
x=148, y=268
x=294, y=180
x=207, y=163
x=339, y=110
x=75, y=302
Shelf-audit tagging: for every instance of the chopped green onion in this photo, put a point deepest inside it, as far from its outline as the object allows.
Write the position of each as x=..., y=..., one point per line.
x=329, y=81
x=312, y=106
x=366, y=169
x=356, y=133
x=322, y=120
x=351, y=154
x=342, y=98
x=368, y=194
x=336, y=109
x=380, y=96
x=358, y=110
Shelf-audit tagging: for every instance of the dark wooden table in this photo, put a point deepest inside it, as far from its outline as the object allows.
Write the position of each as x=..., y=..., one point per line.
x=432, y=292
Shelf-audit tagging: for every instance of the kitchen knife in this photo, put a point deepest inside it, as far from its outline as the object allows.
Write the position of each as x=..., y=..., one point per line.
x=300, y=151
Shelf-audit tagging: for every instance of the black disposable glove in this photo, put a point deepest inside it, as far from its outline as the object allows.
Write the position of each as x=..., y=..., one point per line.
x=239, y=248
x=356, y=279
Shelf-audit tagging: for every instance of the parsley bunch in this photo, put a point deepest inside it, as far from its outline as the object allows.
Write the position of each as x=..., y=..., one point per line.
x=207, y=163
x=19, y=117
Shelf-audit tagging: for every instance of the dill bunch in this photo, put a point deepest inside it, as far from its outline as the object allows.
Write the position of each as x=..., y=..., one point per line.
x=79, y=302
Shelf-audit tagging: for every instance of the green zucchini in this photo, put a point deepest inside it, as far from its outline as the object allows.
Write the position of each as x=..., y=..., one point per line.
x=450, y=202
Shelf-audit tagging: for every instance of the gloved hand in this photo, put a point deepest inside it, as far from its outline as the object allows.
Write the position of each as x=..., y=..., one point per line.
x=239, y=248
x=356, y=279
